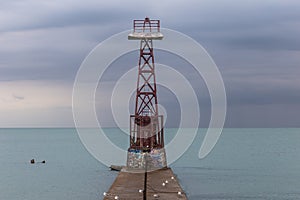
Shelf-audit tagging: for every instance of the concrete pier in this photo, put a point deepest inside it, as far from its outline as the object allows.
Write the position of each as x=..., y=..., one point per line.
x=138, y=185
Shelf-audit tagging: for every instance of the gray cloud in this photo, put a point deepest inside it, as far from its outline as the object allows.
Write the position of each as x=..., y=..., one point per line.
x=255, y=45
x=29, y=15
x=18, y=97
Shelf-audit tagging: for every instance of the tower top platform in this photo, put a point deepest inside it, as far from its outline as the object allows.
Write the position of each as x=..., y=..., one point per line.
x=146, y=29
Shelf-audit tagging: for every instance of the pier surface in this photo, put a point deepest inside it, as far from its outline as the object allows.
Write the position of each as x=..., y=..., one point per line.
x=159, y=184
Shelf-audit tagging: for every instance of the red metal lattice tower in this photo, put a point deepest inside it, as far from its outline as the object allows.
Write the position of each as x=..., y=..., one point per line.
x=146, y=125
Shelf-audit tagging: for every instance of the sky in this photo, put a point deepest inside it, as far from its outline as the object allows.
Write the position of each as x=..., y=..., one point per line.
x=255, y=45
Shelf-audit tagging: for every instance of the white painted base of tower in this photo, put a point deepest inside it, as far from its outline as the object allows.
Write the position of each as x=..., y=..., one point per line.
x=153, y=160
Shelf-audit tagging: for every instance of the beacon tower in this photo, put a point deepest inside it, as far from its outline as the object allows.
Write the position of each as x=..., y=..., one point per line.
x=146, y=150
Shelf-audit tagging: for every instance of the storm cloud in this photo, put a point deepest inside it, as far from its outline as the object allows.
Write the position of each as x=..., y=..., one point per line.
x=255, y=45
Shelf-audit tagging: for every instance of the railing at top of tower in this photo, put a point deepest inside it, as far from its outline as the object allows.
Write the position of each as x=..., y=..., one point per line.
x=146, y=25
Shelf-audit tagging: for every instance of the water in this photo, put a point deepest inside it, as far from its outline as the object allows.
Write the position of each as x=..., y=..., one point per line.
x=245, y=164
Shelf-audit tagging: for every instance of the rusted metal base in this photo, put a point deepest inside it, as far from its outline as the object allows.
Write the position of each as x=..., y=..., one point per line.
x=160, y=184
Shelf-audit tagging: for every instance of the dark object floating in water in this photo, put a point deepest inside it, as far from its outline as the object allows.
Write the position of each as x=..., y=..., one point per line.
x=116, y=168
x=32, y=161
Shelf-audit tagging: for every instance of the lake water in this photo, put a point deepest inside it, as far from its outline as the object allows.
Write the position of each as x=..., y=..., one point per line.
x=245, y=164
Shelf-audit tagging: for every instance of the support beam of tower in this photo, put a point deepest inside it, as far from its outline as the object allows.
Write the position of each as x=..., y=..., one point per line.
x=146, y=98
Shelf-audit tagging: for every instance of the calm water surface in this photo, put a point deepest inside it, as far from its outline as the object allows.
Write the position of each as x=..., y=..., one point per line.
x=245, y=164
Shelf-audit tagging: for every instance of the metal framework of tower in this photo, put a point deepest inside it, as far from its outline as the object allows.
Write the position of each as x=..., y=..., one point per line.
x=146, y=125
